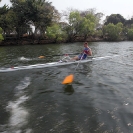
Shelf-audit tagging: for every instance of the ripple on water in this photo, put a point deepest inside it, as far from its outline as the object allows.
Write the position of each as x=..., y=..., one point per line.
x=99, y=100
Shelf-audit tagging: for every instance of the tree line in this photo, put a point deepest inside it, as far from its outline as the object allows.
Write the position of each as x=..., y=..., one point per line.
x=48, y=22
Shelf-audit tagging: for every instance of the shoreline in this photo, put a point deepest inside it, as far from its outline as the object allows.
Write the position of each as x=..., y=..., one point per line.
x=30, y=41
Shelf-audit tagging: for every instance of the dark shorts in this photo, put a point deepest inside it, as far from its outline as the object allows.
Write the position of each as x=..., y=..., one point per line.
x=82, y=56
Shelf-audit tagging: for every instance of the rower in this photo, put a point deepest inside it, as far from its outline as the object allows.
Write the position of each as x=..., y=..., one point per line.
x=86, y=52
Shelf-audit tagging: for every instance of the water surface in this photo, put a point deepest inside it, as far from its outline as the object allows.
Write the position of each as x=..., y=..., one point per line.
x=98, y=101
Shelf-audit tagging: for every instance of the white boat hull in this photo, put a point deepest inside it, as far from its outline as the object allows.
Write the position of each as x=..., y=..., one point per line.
x=53, y=64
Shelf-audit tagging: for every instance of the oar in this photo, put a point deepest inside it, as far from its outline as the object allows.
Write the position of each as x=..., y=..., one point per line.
x=69, y=79
x=57, y=55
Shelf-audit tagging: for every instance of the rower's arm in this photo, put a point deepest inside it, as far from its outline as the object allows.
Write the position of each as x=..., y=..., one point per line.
x=90, y=52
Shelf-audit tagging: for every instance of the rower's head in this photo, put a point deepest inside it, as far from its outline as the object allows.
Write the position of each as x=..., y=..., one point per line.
x=85, y=44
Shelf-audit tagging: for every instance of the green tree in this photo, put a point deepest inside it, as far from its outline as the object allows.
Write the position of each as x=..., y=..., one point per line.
x=114, y=18
x=1, y=37
x=96, y=17
x=25, y=12
x=46, y=15
x=88, y=25
x=129, y=23
x=130, y=33
x=112, y=32
x=55, y=32
x=33, y=12
x=98, y=33
x=74, y=22
x=7, y=20
x=83, y=23
x=3, y=12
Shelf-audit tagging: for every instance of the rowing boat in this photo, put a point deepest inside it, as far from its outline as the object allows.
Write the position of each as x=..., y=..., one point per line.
x=54, y=64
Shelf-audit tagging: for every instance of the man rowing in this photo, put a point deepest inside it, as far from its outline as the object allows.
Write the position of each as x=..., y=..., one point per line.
x=86, y=52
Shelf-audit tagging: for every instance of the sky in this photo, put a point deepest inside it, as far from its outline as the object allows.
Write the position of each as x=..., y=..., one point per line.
x=107, y=7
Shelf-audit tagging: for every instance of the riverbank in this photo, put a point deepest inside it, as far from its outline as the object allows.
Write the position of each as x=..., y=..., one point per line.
x=35, y=41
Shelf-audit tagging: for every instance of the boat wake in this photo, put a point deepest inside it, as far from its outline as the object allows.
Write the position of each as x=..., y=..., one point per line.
x=24, y=59
x=18, y=113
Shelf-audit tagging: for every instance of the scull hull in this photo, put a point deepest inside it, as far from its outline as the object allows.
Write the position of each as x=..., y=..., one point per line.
x=53, y=64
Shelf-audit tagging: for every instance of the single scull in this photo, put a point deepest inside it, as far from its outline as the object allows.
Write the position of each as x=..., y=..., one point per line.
x=54, y=64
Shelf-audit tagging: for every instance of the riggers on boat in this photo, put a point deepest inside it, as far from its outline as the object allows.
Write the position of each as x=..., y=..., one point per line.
x=53, y=64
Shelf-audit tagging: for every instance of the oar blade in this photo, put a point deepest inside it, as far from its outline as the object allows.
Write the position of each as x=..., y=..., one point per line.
x=68, y=79
x=41, y=57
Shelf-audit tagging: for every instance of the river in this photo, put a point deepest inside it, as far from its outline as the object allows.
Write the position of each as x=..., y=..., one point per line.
x=98, y=101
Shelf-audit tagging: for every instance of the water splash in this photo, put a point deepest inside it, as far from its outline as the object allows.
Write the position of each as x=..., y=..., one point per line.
x=18, y=113
x=23, y=59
